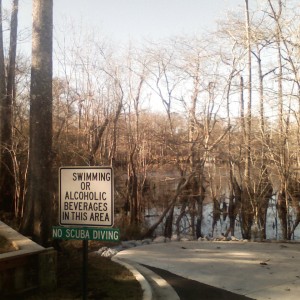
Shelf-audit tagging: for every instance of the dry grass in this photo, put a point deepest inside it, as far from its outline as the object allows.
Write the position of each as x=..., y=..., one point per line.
x=106, y=279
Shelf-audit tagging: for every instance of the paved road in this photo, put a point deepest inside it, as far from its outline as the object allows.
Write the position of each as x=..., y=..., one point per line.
x=255, y=270
x=188, y=289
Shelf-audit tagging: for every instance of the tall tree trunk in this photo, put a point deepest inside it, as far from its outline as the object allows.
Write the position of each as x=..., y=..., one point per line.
x=246, y=209
x=249, y=107
x=282, y=201
x=7, y=174
x=197, y=181
x=242, y=192
x=2, y=67
x=37, y=215
x=265, y=190
x=3, y=203
x=231, y=204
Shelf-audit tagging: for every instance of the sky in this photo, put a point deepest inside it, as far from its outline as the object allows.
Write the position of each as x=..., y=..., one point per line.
x=124, y=20
x=132, y=20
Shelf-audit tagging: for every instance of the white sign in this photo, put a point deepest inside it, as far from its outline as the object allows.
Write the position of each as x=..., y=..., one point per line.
x=86, y=196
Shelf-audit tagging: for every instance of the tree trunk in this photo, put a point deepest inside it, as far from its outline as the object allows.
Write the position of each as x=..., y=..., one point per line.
x=246, y=211
x=7, y=173
x=249, y=107
x=231, y=204
x=3, y=203
x=231, y=213
x=199, y=190
x=282, y=213
x=96, y=144
x=179, y=218
x=169, y=223
x=38, y=208
x=180, y=187
x=282, y=202
x=133, y=196
x=216, y=213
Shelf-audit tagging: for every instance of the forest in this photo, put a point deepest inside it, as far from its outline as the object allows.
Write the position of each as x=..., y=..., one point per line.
x=183, y=121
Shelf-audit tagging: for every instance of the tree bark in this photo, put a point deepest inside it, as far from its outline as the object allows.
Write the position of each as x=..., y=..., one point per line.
x=2, y=107
x=38, y=208
x=7, y=174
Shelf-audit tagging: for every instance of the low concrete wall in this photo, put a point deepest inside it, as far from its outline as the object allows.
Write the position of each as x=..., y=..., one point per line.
x=31, y=266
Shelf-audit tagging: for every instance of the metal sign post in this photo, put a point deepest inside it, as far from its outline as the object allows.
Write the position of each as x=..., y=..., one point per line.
x=85, y=234
x=84, y=269
x=86, y=199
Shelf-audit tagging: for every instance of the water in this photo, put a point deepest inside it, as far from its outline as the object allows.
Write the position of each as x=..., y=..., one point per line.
x=273, y=229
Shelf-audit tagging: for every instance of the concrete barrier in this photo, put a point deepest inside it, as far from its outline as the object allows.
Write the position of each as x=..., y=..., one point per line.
x=31, y=266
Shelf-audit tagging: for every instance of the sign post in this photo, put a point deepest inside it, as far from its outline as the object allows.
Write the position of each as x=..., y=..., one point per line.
x=85, y=247
x=86, y=209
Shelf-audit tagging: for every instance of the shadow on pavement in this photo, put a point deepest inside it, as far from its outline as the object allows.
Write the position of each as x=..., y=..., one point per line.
x=193, y=290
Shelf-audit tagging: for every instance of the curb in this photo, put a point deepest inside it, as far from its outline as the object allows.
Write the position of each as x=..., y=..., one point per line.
x=147, y=291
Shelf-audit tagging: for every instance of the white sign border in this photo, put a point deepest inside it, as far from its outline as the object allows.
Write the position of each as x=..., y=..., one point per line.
x=112, y=195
